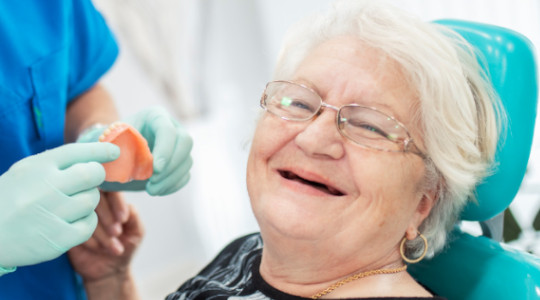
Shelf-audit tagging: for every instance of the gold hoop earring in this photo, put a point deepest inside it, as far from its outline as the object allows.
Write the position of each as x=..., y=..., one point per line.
x=415, y=260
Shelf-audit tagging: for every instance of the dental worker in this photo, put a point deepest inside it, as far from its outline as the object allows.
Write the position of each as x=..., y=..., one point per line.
x=52, y=56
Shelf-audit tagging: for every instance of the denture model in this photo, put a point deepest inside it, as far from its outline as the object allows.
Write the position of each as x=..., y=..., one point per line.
x=135, y=161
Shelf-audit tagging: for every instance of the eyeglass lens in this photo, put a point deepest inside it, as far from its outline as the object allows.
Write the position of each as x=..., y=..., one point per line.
x=363, y=125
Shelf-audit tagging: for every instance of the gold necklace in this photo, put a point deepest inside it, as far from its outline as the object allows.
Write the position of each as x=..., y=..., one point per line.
x=355, y=277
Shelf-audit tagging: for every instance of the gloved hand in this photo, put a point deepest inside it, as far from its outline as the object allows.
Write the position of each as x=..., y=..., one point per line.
x=48, y=202
x=170, y=145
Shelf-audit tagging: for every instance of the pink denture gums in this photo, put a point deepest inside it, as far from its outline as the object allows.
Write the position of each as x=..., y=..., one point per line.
x=135, y=161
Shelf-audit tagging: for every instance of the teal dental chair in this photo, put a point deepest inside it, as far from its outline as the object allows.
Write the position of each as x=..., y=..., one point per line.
x=481, y=267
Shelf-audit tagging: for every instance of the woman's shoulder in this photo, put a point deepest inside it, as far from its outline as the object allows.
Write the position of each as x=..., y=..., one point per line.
x=248, y=243
x=249, y=239
x=238, y=250
x=229, y=273
x=405, y=298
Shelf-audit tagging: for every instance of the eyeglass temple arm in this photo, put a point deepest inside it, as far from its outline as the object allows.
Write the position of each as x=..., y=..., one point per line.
x=410, y=146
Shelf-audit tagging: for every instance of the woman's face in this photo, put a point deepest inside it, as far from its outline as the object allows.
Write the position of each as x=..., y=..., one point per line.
x=379, y=199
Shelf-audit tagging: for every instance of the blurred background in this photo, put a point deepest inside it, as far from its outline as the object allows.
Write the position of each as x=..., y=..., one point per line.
x=207, y=61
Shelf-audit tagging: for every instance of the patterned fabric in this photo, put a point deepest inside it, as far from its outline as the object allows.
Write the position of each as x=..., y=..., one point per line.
x=234, y=275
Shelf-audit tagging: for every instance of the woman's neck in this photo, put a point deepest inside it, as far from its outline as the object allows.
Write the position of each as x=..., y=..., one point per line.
x=304, y=270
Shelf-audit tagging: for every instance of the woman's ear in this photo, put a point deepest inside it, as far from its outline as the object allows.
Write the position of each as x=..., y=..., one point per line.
x=426, y=203
x=423, y=209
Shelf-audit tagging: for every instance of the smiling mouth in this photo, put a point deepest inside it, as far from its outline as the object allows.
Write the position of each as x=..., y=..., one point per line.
x=317, y=185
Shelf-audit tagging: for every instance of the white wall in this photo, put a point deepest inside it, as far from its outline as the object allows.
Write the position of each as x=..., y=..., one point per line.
x=208, y=61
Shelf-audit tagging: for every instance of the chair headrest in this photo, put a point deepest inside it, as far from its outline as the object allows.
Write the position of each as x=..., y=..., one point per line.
x=510, y=62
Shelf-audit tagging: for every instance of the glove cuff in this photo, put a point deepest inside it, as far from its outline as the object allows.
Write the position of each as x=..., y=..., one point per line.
x=4, y=271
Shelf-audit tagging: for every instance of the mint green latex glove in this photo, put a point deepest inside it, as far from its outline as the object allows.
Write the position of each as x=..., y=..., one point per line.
x=170, y=145
x=48, y=200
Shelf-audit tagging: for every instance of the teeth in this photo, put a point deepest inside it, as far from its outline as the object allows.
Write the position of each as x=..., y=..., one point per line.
x=108, y=130
x=115, y=124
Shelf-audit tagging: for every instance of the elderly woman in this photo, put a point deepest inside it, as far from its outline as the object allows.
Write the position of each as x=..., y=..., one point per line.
x=377, y=127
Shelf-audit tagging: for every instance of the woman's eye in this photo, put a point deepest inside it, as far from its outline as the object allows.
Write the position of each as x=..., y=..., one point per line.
x=374, y=129
x=368, y=128
x=295, y=103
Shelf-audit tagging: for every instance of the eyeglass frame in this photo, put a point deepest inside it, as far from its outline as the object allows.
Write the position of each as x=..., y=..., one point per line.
x=409, y=146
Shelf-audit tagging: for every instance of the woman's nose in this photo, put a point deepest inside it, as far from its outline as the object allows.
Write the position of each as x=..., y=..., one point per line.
x=321, y=137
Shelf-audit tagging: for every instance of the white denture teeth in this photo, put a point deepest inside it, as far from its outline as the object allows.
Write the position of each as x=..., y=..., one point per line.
x=115, y=124
x=109, y=129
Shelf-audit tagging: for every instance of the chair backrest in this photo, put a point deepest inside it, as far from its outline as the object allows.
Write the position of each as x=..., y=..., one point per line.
x=478, y=267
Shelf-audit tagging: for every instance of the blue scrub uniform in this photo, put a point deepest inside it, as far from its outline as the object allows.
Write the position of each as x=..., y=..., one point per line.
x=50, y=52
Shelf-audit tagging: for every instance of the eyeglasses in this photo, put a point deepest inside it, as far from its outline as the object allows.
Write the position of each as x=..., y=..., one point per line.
x=363, y=125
